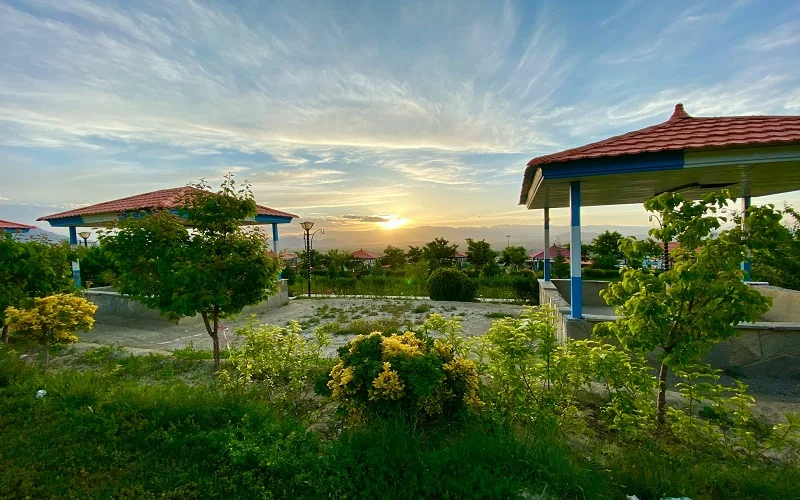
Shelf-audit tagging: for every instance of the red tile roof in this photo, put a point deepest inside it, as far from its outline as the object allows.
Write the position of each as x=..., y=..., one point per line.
x=459, y=255
x=680, y=132
x=4, y=224
x=554, y=252
x=363, y=254
x=164, y=198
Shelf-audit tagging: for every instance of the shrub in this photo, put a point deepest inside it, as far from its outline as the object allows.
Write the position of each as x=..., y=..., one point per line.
x=277, y=361
x=52, y=320
x=289, y=274
x=600, y=274
x=526, y=287
x=411, y=376
x=451, y=284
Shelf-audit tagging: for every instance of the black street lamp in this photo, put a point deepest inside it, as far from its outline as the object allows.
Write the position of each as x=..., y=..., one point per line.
x=85, y=235
x=309, y=239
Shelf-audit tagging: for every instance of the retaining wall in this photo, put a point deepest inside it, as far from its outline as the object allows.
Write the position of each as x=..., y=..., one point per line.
x=115, y=308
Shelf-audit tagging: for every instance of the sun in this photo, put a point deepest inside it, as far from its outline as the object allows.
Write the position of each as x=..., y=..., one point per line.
x=394, y=223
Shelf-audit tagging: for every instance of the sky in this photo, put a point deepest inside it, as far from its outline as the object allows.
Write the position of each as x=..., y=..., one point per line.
x=364, y=115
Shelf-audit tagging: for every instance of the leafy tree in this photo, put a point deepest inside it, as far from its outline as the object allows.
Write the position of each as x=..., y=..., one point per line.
x=97, y=269
x=451, y=284
x=780, y=266
x=52, y=320
x=215, y=270
x=514, y=256
x=559, y=268
x=607, y=243
x=492, y=269
x=700, y=300
x=335, y=260
x=480, y=253
x=36, y=268
x=439, y=252
x=393, y=257
x=414, y=254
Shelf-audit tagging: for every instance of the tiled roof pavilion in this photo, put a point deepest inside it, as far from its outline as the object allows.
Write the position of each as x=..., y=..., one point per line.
x=748, y=155
x=14, y=227
x=109, y=212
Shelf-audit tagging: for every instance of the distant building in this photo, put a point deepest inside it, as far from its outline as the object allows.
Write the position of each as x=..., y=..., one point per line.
x=536, y=259
x=14, y=227
x=367, y=258
x=460, y=258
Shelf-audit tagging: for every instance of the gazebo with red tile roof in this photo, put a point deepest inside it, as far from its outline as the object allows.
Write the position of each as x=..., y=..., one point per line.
x=110, y=212
x=368, y=257
x=748, y=155
x=14, y=227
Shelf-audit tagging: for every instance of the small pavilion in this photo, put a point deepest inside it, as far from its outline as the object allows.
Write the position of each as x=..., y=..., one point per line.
x=748, y=155
x=14, y=227
x=110, y=212
x=460, y=258
x=368, y=258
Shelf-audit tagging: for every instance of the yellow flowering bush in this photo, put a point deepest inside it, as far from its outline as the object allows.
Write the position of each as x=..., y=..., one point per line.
x=52, y=320
x=409, y=375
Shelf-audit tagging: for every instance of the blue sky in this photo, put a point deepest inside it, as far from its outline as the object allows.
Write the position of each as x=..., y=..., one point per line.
x=352, y=113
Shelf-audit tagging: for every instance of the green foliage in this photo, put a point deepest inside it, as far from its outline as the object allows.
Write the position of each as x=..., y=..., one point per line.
x=559, y=268
x=334, y=260
x=97, y=267
x=533, y=377
x=393, y=257
x=438, y=253
x=480, y=253
x=414, y=254
x=780, y=266
x=410, y=376
x=290, y=275
x=700, y=300
x=605, y=250
x=421, y=309
x=592, y=273
x=451, y=284
x=33, y=269
x=279, y=362
x=514, y=256
x=214, y=271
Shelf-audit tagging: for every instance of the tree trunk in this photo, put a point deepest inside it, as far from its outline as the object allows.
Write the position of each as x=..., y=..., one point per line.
x=5, y=334
x=46, y=358
x=661, y=404
x=213, y=332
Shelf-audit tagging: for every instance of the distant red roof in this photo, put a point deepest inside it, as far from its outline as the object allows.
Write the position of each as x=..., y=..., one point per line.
x=680, y=132
x=363, y=254
x=164, y=199
x=13, y=226
x=554, y=252
x=459, y=255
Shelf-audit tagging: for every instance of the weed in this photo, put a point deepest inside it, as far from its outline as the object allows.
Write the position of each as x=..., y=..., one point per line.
x=498, y=315
x=421, y=309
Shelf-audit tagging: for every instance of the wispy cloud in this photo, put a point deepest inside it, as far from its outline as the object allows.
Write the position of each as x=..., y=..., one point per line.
x=785, y=35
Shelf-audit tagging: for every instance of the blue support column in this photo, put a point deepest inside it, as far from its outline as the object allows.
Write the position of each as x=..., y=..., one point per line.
x=76, y=267
x=576, y=286
x=748, y=262
x=546, y=244
x=276, y=249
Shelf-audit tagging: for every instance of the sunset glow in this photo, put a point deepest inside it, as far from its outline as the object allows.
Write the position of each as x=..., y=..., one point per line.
x=394, y=223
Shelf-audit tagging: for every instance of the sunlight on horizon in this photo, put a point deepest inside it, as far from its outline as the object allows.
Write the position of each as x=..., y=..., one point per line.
x=394, y=223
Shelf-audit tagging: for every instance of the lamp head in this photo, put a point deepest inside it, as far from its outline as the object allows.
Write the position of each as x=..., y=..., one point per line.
x=84, y=234
x=307, y=225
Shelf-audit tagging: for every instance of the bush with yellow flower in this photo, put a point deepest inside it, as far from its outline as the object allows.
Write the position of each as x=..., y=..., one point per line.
x=410, y=375
x=52, y=320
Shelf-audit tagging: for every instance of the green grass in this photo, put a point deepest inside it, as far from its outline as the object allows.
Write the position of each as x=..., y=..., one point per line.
x=97, y=434
x=421, y=309
x=499, y=315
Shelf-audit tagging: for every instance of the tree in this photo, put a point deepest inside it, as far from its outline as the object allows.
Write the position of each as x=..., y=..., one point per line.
x=335, y=260
x=317, y=260
x=605, y=252
x=514, y=256
x=492, y=269
x=700, y=300
x=215, y=270
x=560, y=267
x=439, y=252
x=36, y=268
x=780, y=266
x=414, y=254
x=52, y=320
x=393, y=257
x=480, y=253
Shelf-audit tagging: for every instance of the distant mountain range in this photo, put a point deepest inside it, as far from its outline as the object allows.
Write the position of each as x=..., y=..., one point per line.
x=37, y=233
x=375, y=240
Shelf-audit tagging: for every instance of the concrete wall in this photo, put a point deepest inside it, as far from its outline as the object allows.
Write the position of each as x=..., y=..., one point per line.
x=764, y=348
x=590, y=291
x=118, y=309
x=785, y=303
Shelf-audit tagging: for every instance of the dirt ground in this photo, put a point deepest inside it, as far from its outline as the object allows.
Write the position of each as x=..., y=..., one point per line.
x=775, y=396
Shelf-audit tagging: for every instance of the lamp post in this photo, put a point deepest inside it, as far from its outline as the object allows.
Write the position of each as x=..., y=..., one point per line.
x=508, y=240
x=85, y=235
x=309, y=238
